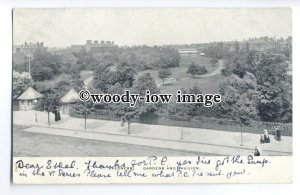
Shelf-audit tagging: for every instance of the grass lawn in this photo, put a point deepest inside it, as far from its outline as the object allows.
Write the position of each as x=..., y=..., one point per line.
x=180, y=72
x=207, y=84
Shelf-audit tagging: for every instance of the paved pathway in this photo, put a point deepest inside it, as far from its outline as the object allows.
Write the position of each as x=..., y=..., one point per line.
x=89, y=81
x=189, y=139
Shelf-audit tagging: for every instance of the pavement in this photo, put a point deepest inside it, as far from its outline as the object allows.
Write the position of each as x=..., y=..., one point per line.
x=207, y=141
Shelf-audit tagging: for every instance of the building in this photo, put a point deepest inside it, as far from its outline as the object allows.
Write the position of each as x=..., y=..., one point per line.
x=95, y=45
x=28, y=99
x=69, y=98
x=28, y=48
x=187, y=52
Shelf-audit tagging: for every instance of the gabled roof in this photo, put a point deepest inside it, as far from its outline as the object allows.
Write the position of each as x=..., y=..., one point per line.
x=70, y=97
x=30, y=94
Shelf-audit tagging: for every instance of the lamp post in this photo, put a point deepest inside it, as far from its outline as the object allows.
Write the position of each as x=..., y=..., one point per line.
x=29, y=62
x=35, y=102
x=85, y=105
x=241, y=136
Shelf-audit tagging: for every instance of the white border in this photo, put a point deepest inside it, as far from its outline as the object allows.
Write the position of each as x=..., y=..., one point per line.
x=5, y=110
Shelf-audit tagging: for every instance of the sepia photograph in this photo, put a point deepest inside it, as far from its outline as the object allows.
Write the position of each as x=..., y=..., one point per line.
x=241, y=55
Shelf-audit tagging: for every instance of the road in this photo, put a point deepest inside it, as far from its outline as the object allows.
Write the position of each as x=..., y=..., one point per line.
x=44, y=145
x=145, y=135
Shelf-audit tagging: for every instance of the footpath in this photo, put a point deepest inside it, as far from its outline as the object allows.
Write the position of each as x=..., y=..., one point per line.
x=195, y=140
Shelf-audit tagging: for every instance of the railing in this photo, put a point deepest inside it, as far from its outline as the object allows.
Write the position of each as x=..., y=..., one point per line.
x=255, y=127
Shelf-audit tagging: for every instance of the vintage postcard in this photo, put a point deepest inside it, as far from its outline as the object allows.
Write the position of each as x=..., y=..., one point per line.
x=152, y=95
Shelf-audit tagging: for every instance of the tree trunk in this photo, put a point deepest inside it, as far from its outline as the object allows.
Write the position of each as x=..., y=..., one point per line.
x=128, y=127
x=242, y=136
x=163, y=81
x=85, y=121
x=48, y=119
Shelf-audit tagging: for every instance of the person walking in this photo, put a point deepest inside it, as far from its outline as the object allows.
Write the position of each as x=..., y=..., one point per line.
x=266, y=136
x=257, y=151
x=262, y=138
x=277, y=133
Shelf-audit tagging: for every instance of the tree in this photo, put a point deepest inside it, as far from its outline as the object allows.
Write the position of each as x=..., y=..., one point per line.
x=103, y=78
x=275, y=88
x=49, y=102
x=106, y=57
x=146, y=111
x=129, y=114
x=124, y=75
x=44, y=65
x=237, y=47
x=272, y=80
x=247, y=47
x=122, y=110
x=142, y=111
x=239, y=100
x=214, y=60
x=194, y=69
x=20, y=62
x=69, y=63
x=244, y=112
x=20, y=83
x=239, y=67
x=41, y=73
x=63, y=86
x=202, y=70
x=164, y=73
x=185, y=111
x=83, y=108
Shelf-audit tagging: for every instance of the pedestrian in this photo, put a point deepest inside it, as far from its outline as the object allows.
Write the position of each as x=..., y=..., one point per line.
x=277, y=133
x=57, y=115
x=256, y=151
x=122, y=121
x=266, y=136
x=262, y=139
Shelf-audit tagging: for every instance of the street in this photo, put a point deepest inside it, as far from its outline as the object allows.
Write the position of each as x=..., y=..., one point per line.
x=43, y=145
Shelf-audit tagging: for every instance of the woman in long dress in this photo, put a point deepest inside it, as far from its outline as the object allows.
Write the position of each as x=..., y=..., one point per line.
x=257, y=151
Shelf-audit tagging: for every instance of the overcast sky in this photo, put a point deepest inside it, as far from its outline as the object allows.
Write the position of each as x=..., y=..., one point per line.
x=64, y=27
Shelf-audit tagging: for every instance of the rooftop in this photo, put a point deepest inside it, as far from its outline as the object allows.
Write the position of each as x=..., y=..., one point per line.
x=70, y=97
x=30, y=94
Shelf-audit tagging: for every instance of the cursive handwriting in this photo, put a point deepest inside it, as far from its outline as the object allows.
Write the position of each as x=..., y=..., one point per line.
x=163, y=167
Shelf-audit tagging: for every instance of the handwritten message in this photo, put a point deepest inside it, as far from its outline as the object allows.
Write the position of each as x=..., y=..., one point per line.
x=152, y=169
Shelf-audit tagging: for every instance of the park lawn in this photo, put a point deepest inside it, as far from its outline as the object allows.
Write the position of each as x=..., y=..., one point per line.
x=207, y=84
x=181, y=71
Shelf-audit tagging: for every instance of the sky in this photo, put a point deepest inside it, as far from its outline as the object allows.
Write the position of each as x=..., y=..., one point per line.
x=150, y=26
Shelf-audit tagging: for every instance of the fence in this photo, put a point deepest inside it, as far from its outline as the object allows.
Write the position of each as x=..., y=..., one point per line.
x=223, y=124
x=200, y=122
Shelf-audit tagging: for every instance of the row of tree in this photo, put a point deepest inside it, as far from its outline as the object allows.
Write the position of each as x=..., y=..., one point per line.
x=258, y=83
x=45, y=65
